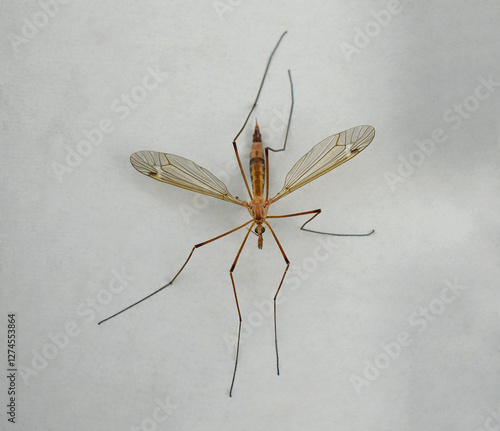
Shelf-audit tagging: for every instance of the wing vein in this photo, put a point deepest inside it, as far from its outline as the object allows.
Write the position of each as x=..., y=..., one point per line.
x=181, y=172
x=325, y=156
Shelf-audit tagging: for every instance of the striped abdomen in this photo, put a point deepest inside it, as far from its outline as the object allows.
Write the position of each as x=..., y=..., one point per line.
x=257, y=164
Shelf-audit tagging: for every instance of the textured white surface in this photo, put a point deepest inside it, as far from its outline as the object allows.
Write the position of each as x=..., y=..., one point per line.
x=67, y=232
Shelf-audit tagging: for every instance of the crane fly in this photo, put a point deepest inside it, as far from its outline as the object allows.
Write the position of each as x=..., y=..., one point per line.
x=322, y=158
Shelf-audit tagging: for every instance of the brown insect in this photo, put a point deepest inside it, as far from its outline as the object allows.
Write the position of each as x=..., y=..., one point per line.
x=322, y=158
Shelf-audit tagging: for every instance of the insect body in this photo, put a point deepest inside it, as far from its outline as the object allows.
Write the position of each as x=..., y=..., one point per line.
x=322, y=158
x=257, y=207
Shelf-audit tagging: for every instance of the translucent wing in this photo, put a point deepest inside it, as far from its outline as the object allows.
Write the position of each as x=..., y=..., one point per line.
x=325, y=156
x=181, y=172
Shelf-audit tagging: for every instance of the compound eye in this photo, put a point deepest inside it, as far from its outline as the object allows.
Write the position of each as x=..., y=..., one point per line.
x=263, y=229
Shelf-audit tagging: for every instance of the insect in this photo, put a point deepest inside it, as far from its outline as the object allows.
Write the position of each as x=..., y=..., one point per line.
x=322, y=158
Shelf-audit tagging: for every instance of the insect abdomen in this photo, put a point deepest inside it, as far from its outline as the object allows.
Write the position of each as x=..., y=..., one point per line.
x=257, y=164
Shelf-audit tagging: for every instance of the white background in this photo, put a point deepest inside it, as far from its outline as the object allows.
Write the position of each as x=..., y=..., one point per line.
x=67, y=230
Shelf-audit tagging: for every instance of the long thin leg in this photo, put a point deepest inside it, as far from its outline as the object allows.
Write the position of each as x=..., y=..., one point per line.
x=316, y=213
x=261, y=85
x=289, y=116
x=237, y=306
x=276, y=294
x=250, y=113
x=241, y=169
x=178, y=272
x=286, y=137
